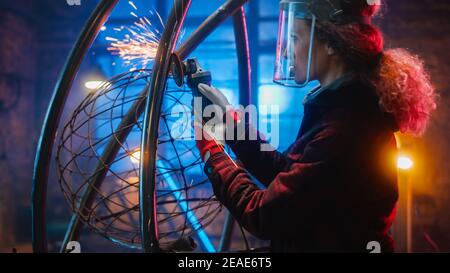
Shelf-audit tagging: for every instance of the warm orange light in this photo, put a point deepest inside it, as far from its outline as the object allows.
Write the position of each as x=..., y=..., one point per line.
x=404, y=162
x=135, y=157
x=133, y=179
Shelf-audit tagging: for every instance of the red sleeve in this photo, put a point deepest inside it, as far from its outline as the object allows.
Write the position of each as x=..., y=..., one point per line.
x=292, y=198
x=263, y=165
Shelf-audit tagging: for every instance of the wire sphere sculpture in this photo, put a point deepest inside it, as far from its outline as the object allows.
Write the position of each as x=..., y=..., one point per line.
x=185, y=202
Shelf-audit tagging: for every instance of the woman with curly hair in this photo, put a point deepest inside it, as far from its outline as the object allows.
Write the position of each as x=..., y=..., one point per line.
x=335, y=188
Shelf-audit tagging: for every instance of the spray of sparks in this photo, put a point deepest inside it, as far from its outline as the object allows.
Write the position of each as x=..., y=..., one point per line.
x=140, y=42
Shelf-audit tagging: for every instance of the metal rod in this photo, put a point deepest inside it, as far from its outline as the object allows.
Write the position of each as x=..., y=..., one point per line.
x=227, y=231
x=45, y=144
x=138, y=107
x=184, y=206
x=243, y=56
x=147, y=183
x=209, y=25
x=108, y=156
x=244, y=69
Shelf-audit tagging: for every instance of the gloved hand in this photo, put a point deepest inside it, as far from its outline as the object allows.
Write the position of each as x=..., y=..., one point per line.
x=214, y=95
x=218, y=98
x=210, y=139
x=208, y=143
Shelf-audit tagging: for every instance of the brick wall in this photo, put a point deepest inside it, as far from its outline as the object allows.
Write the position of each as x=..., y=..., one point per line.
x=36, y=37
x=17, y=102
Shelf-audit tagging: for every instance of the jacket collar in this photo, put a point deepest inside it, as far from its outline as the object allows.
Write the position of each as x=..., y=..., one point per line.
x=351, y=92
x=342, y=91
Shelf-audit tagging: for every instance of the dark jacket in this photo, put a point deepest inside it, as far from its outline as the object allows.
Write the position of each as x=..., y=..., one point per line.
x=333, y=190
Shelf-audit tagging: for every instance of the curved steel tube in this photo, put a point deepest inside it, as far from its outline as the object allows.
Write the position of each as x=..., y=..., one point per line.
x=244, y=70
x=52, y=118
x=210, y=24
x=75, y=225
x=243, y=56
x=147, y=172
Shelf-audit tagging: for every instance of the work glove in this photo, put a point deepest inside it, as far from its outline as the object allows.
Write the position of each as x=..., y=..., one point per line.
x=210, y=139
x=214, y=95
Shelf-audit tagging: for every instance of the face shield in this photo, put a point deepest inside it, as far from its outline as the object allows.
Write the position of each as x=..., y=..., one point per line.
x=295, y=44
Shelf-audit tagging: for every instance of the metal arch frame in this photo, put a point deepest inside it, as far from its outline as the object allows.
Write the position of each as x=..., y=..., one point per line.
x=147, y=203
x=149, y=142
x=51, y=122
x=52, y=119
x=245, y=87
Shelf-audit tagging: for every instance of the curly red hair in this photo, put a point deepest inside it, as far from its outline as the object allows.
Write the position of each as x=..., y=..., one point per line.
x=405, y=90
x=400, y=79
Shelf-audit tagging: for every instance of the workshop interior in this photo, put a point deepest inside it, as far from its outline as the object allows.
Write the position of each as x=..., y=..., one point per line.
x=96, y=103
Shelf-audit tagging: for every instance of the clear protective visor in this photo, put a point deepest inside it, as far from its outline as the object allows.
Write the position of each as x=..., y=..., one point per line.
x=294, y=45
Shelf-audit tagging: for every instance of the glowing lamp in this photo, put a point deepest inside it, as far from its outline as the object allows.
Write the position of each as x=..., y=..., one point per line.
x=404, y=163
